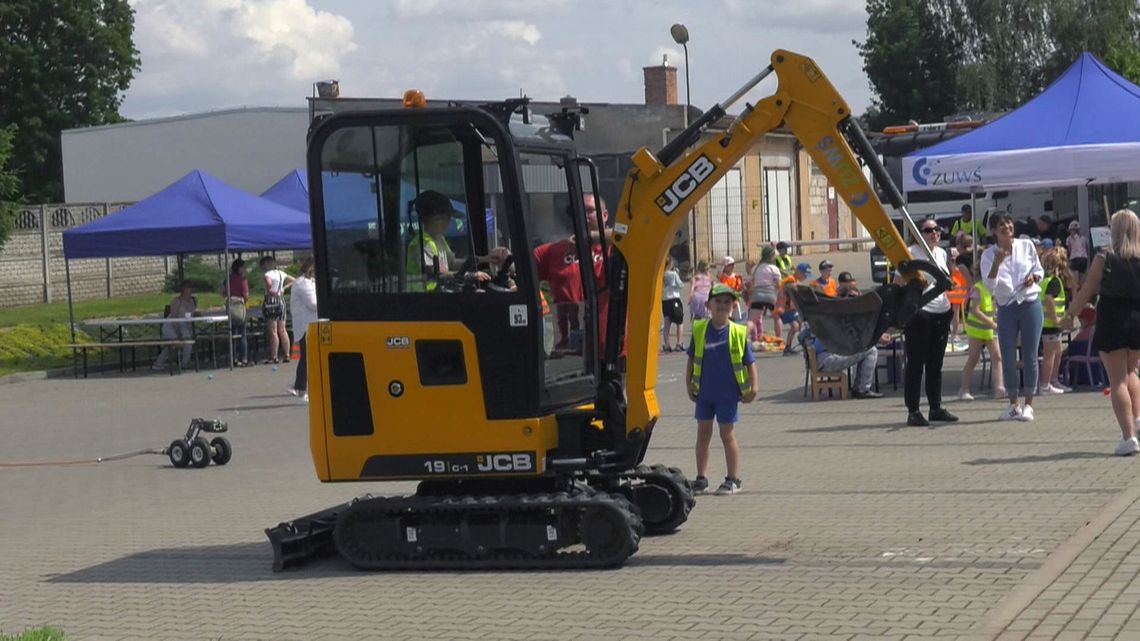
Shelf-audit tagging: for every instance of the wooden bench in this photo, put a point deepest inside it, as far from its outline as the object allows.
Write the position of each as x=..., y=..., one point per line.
x=131, y=345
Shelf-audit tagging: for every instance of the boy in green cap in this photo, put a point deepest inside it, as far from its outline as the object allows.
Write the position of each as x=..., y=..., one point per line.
x=720, y=373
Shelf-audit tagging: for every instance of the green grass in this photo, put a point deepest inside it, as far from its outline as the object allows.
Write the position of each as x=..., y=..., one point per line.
x=45, y=633
x=32, y=337
x=44, y=315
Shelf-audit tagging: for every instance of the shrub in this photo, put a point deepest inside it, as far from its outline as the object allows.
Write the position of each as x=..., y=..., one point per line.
x=204, y=276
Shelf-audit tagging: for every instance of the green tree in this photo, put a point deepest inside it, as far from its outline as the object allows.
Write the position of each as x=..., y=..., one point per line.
x=1108, y=29
x=910, y=58
x=1004, y=52
x=9, y=185
x=1124, y=59
x=63, y=64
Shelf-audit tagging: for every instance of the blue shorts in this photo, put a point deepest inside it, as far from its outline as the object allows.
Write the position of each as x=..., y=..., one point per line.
x=724, y=411
x=789, y=316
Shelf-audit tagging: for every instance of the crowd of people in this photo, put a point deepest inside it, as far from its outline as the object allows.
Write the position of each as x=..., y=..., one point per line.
x=235, y=296
x=1014, y=300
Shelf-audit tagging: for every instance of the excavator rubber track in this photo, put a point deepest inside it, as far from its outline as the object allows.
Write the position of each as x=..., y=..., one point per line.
x=579, y=528
x=663, y=495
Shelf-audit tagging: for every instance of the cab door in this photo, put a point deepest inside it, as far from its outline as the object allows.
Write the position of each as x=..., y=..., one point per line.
x=379, y=264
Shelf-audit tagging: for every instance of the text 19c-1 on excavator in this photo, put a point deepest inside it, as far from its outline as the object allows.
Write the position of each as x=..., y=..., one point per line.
x=427, y=366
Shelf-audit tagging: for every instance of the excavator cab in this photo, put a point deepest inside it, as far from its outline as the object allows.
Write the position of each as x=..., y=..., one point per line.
x=434, y=216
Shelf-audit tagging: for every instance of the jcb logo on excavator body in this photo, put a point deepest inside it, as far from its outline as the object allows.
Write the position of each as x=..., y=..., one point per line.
x=689, y=180
x=513, y=462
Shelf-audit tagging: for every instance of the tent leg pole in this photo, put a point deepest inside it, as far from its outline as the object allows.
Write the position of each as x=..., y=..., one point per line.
x=1083, y=214
x=71, y=317
x=229, y=317
x=977, y=241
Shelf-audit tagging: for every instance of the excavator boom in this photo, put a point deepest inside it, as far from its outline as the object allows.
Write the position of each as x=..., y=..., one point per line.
x=661, y=188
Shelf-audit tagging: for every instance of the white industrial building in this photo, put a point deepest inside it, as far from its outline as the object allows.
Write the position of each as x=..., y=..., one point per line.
x=248, y=147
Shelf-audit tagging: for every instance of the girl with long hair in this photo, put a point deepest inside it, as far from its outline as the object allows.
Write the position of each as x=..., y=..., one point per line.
x=1115, y=277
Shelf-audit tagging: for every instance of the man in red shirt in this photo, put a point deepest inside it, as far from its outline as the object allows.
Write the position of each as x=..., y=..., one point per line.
x=557, y=264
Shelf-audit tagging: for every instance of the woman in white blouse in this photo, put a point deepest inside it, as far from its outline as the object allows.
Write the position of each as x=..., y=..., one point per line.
x=1012, y=271
x=303, y=309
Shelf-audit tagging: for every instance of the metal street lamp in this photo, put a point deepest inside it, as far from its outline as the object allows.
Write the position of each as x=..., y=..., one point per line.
x=680, y=35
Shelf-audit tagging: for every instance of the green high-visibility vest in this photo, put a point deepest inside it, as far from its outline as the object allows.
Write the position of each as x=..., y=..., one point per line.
x=1058, y=300
x=975, y=327
x=737, y=340
x=416, y=270
x=785, y=264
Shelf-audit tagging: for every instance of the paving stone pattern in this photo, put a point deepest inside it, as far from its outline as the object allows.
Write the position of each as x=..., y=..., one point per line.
x=850, y=526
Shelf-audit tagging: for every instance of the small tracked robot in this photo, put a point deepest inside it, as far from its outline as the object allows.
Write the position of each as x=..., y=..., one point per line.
x=195, y=450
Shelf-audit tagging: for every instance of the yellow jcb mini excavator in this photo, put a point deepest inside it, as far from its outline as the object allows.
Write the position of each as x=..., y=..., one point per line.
x=491, y=384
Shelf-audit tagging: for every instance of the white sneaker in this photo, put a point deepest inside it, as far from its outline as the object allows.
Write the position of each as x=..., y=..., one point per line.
x=1011, y=413
x=1047, y=389
x=305, y=397
x=1058, y=385
x=1127, y=447
x=1000, y=394
x=1026, y=413
x=292, y=392
x=965, y=396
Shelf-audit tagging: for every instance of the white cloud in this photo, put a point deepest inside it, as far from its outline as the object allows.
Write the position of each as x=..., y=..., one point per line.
x=468, y=10
x=211, y=54
x=814, y=16
x=251, y=51
x=674, y=56
x=517, y=30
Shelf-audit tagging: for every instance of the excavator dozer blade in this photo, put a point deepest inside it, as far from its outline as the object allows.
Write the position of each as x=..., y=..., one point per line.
x=850, y=325
x=311, y=536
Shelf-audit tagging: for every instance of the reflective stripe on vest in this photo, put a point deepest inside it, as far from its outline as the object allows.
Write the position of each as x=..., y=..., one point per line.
x=1058, y=300
x=975, y=326
x=737, y=338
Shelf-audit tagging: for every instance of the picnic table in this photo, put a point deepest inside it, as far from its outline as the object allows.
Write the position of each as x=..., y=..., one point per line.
x=111, y=336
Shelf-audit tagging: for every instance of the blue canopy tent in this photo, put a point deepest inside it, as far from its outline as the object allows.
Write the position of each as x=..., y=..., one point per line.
x=291, y=191
x=1082, y=129
x=196, y=214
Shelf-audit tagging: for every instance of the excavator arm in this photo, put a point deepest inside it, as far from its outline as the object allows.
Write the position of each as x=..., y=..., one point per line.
x=660, y=189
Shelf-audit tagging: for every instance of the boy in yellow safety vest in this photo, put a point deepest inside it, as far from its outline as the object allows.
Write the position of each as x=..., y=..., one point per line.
x=721, y=372
x=1057, y=278
x=981, y=326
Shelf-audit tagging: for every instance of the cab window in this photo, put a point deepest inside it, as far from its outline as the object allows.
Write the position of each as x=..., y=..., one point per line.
x=407, y=208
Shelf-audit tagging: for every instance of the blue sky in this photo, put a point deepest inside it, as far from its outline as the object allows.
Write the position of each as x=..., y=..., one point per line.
x=199, y=55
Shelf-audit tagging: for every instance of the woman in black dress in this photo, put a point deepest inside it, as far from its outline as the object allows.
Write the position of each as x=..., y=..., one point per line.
x=1115, y=276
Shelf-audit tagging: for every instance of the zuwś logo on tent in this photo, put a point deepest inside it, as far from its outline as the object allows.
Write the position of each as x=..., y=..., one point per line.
x=924, y=174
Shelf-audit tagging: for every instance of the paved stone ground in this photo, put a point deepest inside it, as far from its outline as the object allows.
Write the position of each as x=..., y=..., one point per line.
x=851, y=526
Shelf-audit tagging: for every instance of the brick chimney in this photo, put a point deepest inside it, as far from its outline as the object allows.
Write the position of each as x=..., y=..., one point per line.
x=660, y=84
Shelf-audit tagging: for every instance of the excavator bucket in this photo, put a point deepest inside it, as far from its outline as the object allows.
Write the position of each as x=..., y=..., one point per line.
x=850, y=325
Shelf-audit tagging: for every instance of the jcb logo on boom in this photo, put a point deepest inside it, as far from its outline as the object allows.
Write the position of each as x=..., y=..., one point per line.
x=518, y=462
x=689, y=180
x=399, y=342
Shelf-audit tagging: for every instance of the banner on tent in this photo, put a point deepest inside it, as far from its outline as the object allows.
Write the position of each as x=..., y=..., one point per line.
x=1023, y=168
